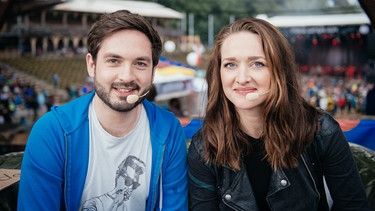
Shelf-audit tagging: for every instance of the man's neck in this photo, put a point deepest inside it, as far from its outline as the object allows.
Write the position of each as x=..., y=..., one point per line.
x=116, y=123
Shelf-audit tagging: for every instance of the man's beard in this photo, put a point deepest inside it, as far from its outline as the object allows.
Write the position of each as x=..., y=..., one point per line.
x=120, y=105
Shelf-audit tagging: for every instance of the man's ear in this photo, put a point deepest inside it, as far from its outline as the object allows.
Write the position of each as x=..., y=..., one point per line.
x=90, y=65
x=153, y=74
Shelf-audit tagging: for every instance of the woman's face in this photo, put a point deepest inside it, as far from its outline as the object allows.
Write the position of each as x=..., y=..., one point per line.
x=244, y=70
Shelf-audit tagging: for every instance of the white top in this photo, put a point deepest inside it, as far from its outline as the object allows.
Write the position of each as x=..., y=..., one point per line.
x=119, y=170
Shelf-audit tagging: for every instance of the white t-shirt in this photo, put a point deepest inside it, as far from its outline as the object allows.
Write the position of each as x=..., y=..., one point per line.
x=119, y=170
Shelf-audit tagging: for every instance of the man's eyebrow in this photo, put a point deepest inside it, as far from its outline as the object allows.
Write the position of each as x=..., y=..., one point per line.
x=113, y=55
x=140, y=58
x=144, y=58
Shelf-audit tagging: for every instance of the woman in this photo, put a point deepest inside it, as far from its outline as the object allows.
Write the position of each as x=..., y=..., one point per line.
x=262, y=146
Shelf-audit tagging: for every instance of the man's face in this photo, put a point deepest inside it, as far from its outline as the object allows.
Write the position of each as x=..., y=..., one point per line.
x=123, y=67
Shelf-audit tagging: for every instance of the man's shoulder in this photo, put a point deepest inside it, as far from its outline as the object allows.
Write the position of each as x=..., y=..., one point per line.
x=78, y=103
x=155, y=113
x=163, y=123
x=71, y=114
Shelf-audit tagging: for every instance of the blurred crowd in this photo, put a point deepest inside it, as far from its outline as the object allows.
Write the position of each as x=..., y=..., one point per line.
x=21, y=101
x=74, y=91
x=337, y=95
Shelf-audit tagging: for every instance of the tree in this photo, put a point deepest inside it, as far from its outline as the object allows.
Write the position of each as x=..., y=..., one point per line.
x=222, y=10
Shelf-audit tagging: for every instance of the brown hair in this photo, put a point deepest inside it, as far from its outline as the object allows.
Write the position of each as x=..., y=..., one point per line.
x=120, y=20
x=289, y=122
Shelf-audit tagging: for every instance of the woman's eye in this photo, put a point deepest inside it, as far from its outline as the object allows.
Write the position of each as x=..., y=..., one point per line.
x=258, y=64
x=229, y=65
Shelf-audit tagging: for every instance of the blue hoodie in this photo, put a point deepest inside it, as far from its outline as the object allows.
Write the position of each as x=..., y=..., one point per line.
x=56, y=159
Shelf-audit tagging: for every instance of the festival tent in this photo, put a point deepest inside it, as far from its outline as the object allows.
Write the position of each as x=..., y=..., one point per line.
x=177, y=80
x=144, y=8
x=317, y=20
x=173, y=79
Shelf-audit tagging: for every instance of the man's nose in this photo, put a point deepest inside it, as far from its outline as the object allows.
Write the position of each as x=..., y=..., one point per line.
x=126, y=73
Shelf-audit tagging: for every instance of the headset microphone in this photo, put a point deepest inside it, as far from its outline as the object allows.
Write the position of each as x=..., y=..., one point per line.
x=254, y=95
x=134, y=98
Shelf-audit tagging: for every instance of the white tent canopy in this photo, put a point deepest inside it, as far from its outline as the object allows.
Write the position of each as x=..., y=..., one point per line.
x=318, y=20
x=147, y=9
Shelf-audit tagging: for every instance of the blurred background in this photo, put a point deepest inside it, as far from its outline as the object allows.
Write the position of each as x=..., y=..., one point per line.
x=43, y=44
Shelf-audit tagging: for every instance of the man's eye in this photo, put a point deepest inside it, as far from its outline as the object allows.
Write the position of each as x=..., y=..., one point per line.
x=113, y=61
x=142, y=64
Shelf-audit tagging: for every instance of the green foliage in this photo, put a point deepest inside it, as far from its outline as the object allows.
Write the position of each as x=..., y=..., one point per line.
x=220, y=9
x=223, y=9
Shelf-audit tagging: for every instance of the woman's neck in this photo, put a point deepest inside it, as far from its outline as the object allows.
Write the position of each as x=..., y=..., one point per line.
x=251, y=123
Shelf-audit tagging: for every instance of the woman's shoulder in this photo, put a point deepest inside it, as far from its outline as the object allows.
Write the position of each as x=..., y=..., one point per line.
x=329, y=134
x=197, y=144
x=327, y=124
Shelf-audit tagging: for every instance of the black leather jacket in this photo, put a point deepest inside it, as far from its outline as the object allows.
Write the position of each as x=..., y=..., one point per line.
x=301, y=188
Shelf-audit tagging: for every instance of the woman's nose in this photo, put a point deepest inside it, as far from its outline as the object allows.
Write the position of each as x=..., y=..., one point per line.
x=243, y=75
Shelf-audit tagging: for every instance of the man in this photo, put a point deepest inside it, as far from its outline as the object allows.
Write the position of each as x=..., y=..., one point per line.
x=74, y=152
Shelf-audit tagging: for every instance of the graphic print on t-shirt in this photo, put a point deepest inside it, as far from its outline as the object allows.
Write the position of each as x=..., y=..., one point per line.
x=127, y=180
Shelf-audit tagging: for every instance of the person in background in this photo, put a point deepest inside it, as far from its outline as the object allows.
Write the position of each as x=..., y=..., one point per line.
x=174, y=106
x=75, y=151
x=55, y=80
x=370, y=100
x=262, y=146
x=152, y=94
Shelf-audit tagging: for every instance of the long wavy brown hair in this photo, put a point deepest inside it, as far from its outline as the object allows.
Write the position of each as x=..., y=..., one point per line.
x=289, y=122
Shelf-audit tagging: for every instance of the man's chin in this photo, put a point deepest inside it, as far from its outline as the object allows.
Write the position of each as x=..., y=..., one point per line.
x=125, y=106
